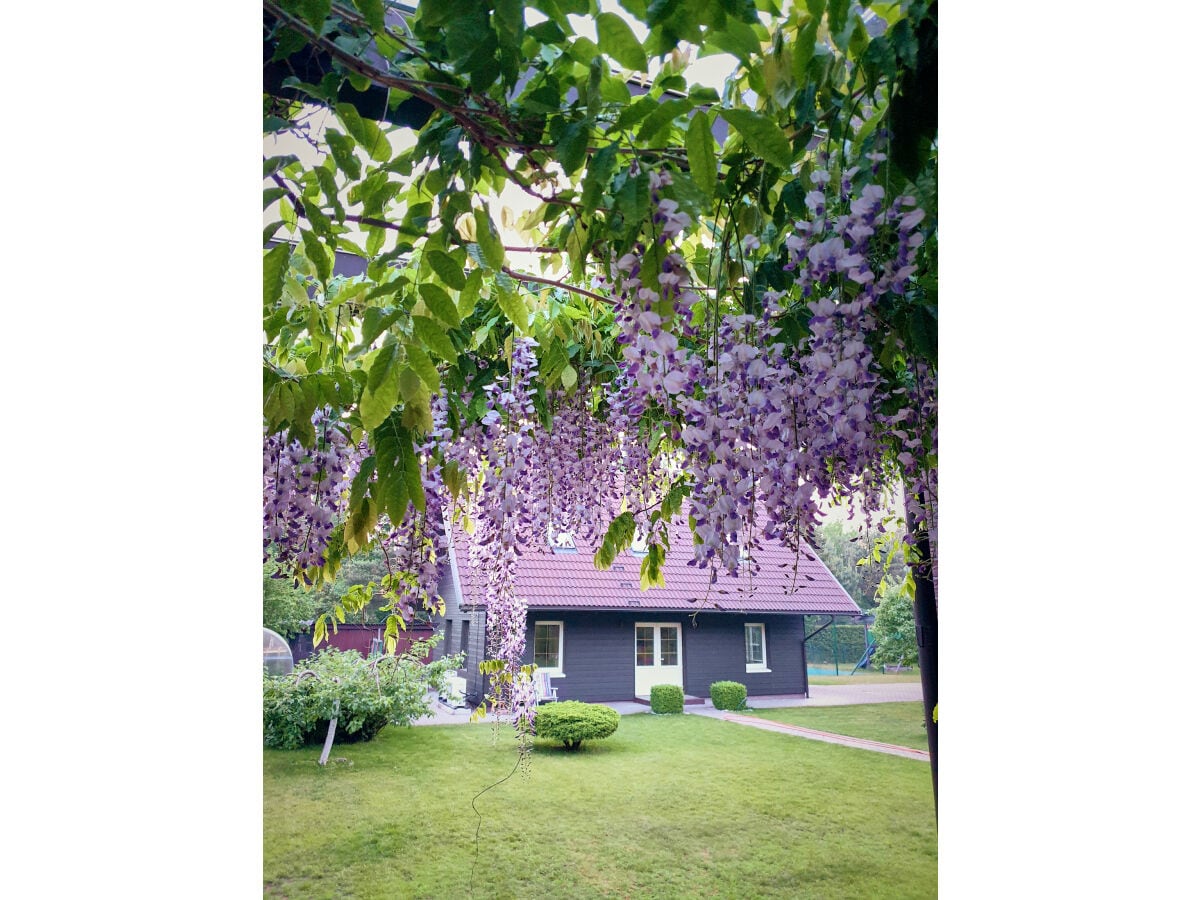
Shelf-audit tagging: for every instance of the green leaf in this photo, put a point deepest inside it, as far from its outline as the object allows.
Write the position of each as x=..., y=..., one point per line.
x=314, y=12
x=412, y=473
x=318, y=255
x=439, y=303
x=838, y=10
x=432, y=336
x=636, y=111
x=632, y=200
x=702, y=158
x=366, y=132
x=273, y=164
x=490, y=245
x=328, y=183
x=652, y=568
x=383, y=388
x=599, y=174
x=317, y=219
x=508, y=296
x=275, y=266
x=736, y=38
x=553, y=359
x=372, y=11
x=358, y=487
x=666, y=112
x=447, y=269
x=415, y=394
x=342, y=150
x=802, y=50
x=618, y=41
x=420, y=363
x=761, y=135
x=571, y=149
x=470, y=293
x=618, y=537
x=570, y=378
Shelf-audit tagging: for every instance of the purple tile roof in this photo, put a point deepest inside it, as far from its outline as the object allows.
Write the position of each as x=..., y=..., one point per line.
x=785, y=582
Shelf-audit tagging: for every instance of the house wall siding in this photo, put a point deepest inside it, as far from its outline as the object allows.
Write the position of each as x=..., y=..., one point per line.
x=598, y=652
x=452, y=623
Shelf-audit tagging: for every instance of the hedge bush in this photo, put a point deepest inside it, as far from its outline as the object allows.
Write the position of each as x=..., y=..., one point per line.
x=388, y=690
x=574, y=722
x=666, y=698
x=727, y=694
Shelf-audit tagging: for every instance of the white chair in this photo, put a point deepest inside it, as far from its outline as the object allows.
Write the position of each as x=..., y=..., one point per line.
x=542, y=684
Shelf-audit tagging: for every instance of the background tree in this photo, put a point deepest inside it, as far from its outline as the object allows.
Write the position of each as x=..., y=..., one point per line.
x=847, y=551
x=894, y=630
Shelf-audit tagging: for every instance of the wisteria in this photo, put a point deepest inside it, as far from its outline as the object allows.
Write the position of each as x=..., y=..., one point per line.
x=303, y=493
x=761, y=432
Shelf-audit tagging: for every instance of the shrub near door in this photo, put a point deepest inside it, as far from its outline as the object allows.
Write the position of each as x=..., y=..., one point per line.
x=727, y=694
x=666, y=698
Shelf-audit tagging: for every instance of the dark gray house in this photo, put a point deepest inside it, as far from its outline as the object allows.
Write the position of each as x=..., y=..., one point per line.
x=602, y=638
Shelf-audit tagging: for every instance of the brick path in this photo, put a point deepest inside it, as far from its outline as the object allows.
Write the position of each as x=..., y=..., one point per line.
x=827, y=695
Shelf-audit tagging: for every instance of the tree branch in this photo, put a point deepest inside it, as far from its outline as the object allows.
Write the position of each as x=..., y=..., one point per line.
x=558, y=284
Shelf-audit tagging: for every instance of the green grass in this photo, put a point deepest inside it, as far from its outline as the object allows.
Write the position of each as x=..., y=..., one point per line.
x=861, y=677
x=671, y=806
x=891, y=723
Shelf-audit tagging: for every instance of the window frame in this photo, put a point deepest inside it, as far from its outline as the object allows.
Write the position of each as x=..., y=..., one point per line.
x=555, y=671
x=762, y=629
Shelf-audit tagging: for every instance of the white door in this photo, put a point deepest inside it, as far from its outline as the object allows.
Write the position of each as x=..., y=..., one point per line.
x=658, y=656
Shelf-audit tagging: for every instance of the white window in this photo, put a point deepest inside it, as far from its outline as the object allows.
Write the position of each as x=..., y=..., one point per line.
x=548, y=646
x=638, y=547
x=756, y=648
x=564, y=542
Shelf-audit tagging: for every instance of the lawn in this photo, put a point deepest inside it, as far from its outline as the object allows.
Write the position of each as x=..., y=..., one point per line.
x=861, y=677
x=669, y=806
x=891, y=723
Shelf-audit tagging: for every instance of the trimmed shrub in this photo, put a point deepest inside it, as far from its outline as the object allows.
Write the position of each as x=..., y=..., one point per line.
x=574, y=722
x=666, y=698
x=727, y=694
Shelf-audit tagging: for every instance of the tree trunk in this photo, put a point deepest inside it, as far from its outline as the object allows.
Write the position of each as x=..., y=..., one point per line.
x=925, y=619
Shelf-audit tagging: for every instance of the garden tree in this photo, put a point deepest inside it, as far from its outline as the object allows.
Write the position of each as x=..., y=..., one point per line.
x=288, y=606
x=894, y=631
x=285, y=606
x=735, y=330
x=857, y=562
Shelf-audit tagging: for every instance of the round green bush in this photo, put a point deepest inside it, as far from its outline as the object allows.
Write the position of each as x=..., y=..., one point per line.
x=573, y=722
x=666, y=698
x=728, y=694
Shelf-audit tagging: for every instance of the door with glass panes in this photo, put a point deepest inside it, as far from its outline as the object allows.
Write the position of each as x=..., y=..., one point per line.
x=658, y=656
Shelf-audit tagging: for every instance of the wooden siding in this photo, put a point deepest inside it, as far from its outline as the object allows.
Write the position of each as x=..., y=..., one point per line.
x=598, y=652
x=359, y=637
x=452, y=625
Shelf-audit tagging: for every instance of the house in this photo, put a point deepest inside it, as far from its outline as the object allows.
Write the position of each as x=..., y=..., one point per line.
x=602, y=638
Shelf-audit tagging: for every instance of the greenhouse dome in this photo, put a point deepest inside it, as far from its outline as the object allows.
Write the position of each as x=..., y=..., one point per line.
x=277, y=655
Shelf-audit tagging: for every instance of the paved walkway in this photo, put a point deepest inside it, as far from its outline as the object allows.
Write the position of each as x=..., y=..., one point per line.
x=819, y=695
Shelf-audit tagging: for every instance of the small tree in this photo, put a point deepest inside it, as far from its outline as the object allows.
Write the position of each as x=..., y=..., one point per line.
x=573, y=722
x=894, y=630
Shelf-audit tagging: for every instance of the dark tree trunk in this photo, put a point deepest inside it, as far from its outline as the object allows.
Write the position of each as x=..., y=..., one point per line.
x=925, y=619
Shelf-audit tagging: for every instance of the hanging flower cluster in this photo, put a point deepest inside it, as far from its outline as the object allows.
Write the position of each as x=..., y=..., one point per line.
x=581, y=462
x=653, y=310
x=303, y=493
x=506, y=454
x=417, y=546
